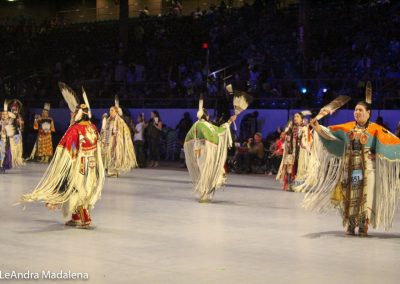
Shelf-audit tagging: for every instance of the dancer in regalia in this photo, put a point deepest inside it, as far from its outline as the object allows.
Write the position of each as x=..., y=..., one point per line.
x=10, y=141
x=19, y=123
x=44, y=125
x=206, y=147
x=75, y=177
x=117, y=148
x=5, y=132
x=355, y=168
x=296, y=152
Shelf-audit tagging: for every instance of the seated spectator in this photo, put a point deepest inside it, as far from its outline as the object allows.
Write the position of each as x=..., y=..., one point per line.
x=253, y=150
x=248, y=125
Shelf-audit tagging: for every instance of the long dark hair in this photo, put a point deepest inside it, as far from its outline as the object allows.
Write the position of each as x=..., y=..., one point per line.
x=291, y=129
x=301, y=115
x=205, y=115
x=157, y=114
x=84, y=117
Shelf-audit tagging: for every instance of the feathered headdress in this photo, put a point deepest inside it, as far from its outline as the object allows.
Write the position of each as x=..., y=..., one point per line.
x=368, y=93
x=73, y=102
x=69, y=96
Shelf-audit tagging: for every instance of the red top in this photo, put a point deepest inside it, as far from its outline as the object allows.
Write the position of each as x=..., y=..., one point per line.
x=83, y=133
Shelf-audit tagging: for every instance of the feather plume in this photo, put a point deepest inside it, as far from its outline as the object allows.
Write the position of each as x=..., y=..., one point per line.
x=368, y=92
x=116, y=99
x=200, y=112
x=333, y=106
x=229, y=89
x=85, y=99
x=69, y=96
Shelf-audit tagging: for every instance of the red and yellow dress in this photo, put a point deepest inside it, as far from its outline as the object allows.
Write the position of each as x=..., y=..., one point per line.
x=44, y=126
x=75, y=176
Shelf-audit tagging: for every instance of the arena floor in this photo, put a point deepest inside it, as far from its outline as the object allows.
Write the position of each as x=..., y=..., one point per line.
x=149, y=228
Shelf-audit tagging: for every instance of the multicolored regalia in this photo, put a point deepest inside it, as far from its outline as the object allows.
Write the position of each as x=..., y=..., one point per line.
x=6, y=130
x=295, y=159
x=117, y=148
x=44, y=144
x=206, y=147
x=357, y=171
x=10, y=141
x=17, y=121
x=75, y=176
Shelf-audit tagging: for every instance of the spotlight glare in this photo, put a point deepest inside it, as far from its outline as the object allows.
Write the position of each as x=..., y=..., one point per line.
x=303, y=90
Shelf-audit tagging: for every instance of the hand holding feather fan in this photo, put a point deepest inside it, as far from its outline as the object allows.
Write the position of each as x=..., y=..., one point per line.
x=241, y=100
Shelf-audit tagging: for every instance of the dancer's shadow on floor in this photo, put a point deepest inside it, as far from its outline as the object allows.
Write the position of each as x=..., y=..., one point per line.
x=51, y=226
x=342, y=234
x=218, y=202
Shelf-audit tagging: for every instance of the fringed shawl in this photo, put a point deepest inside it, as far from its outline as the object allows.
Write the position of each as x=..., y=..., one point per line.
x=326, y=167
x=16, y=147
x=67, y=173
x=118, y=150
x=206, y=148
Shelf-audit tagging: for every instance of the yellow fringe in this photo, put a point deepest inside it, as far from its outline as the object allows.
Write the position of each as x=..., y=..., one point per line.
x=64, y=182
x=16, y=152
x=118, y=151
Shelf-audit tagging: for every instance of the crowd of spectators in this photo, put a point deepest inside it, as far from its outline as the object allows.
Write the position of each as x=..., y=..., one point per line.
x=269, y=52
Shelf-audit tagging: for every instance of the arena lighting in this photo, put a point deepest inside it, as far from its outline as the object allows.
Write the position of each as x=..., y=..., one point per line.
x=324, y=90
x=303, y=90
x=11, y=0
x=205, y=45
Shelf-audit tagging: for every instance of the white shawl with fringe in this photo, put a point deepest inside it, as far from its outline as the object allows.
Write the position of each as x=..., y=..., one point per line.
x=325, y=174
x=205, y=160
x=74, y=176
x=117, y=148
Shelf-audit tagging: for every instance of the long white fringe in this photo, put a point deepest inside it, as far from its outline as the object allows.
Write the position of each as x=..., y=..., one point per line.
x=323, y=175
x=118, y=152
x=63, y=181
x=16, y=152
x=387, y=191
x=205, y=162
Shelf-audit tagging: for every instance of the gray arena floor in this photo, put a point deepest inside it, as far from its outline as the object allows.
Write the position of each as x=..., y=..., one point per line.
x=149, y=228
